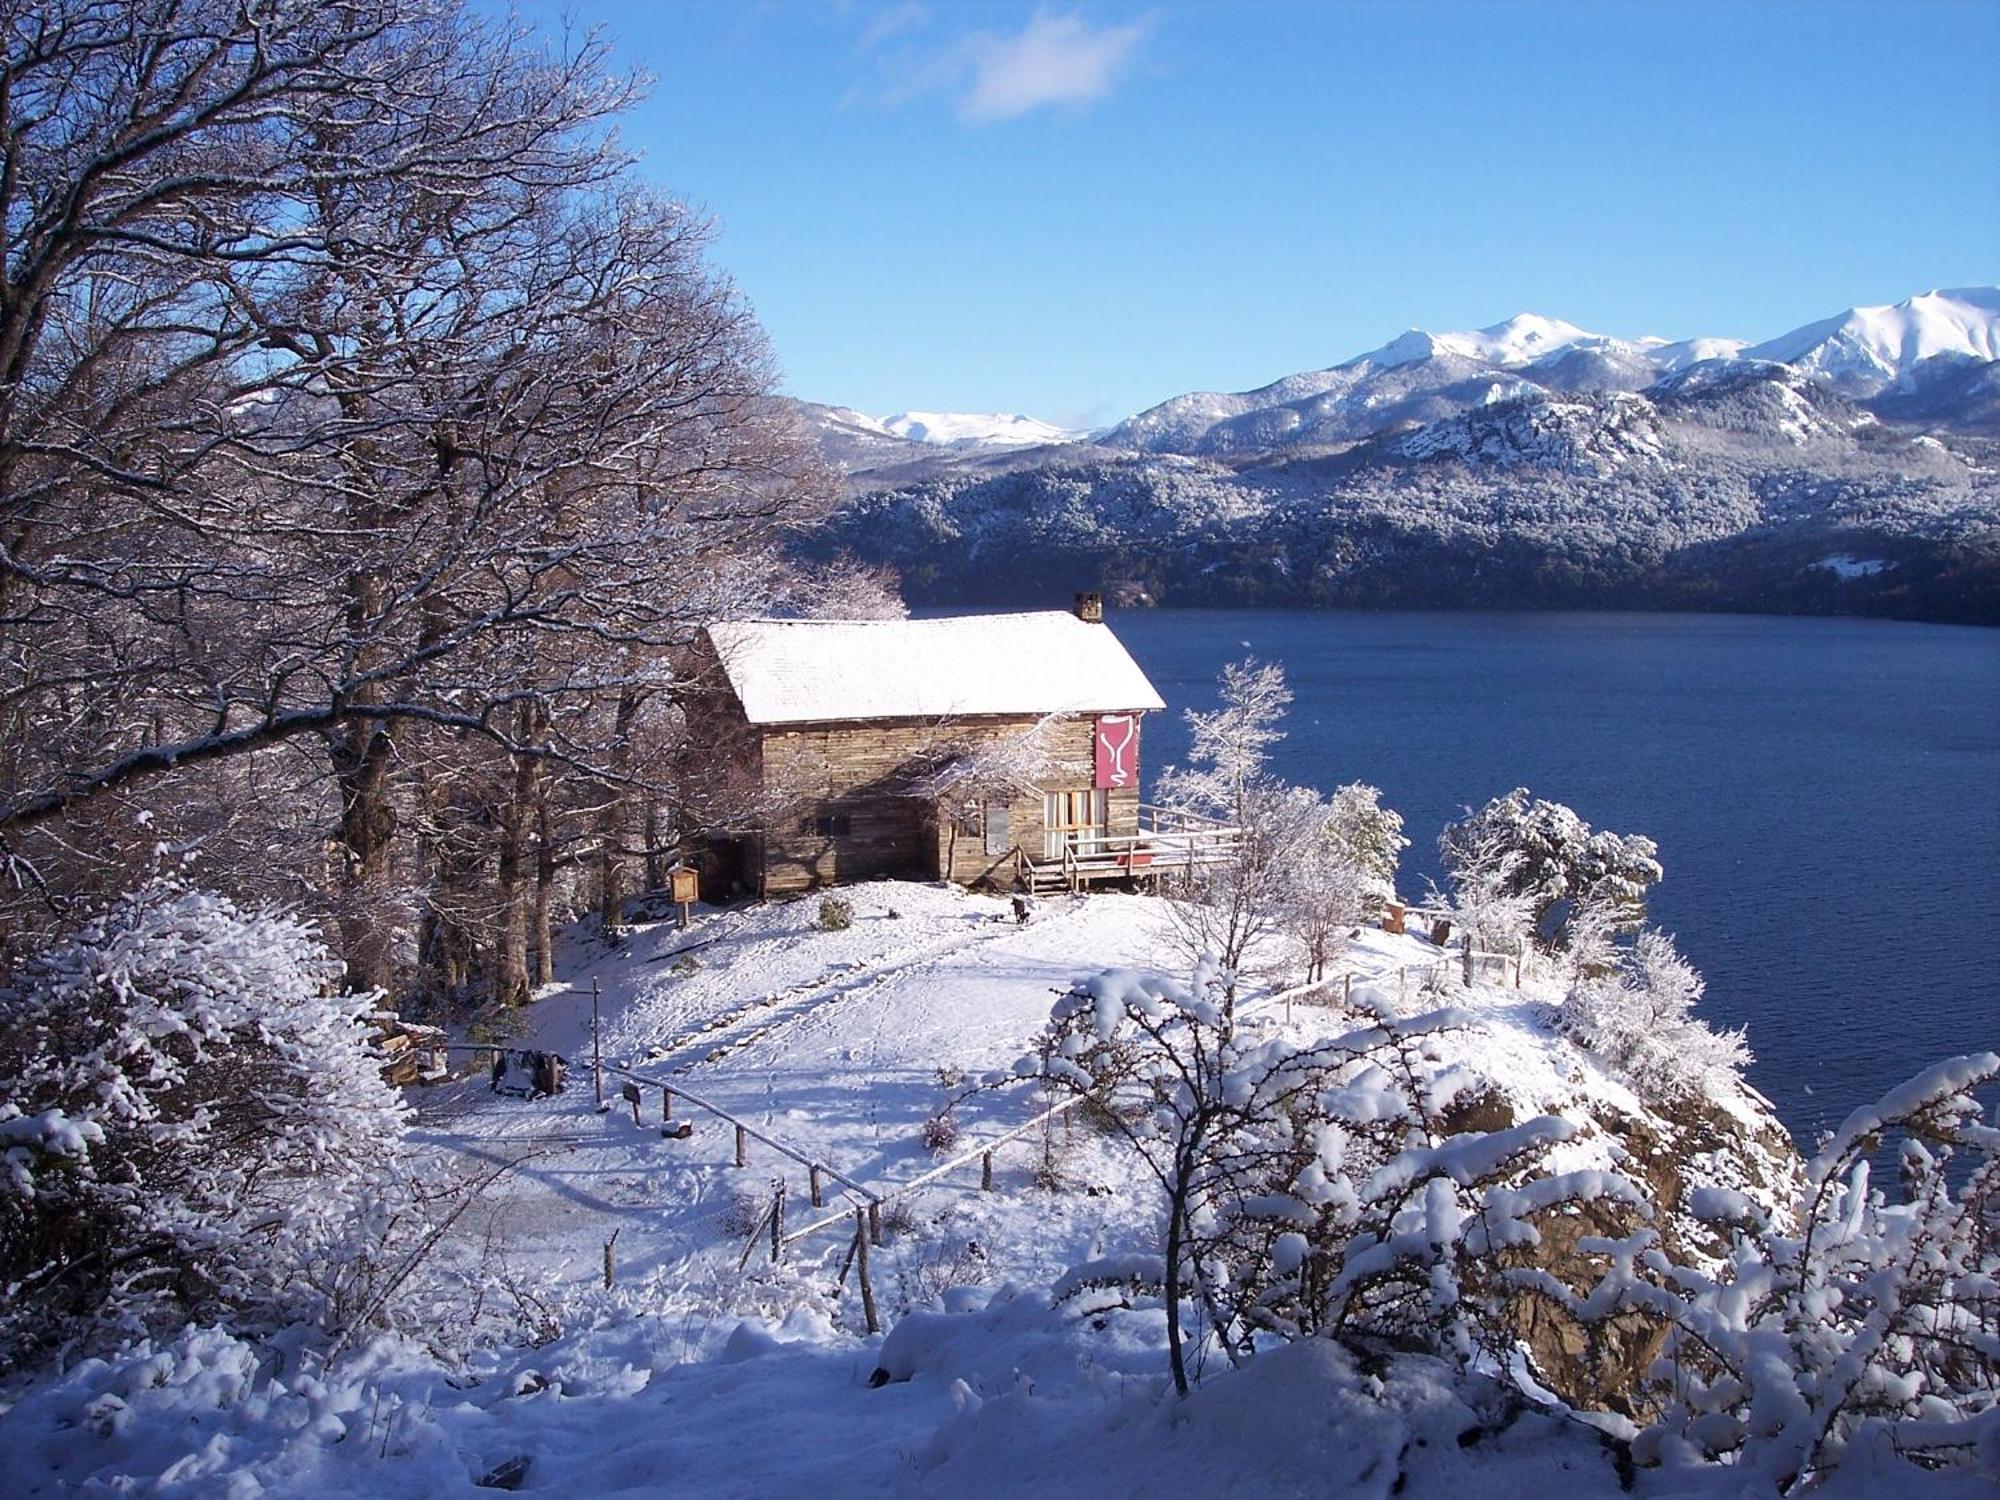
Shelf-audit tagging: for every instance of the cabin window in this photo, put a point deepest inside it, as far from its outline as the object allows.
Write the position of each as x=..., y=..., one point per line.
x=1075, y=821
x=999, y=828
x=827, y=825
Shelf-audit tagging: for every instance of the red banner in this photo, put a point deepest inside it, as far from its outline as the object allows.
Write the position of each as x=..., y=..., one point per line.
x=1117, y=750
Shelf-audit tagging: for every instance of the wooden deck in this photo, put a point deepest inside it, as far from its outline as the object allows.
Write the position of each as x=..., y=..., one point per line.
x=1168, y=841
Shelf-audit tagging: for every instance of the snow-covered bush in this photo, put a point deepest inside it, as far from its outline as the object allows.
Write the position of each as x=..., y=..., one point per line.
x=1868, y=1324
x=1633, y=1007
x=1543, y=853
x=193, y=1119
x=1312, y=1189
x=836, y=913
x=1370, y=836
x=1305, y=865
x=940, y=1132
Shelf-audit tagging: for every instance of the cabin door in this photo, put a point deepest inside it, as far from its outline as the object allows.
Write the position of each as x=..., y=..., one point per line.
x=1075, y=821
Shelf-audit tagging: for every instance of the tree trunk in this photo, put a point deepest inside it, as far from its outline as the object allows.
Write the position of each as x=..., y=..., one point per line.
x=656, y=855
x=545, y=882
x=361, y=759
x=612, y=821
x=510, y=979
x=1171, y=1281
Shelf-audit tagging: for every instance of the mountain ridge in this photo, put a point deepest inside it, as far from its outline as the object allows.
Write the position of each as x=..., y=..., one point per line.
x=1422, y=375
x=1861, y=477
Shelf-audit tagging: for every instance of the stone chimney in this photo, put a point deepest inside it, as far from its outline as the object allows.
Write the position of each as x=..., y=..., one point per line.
x=1090, y=608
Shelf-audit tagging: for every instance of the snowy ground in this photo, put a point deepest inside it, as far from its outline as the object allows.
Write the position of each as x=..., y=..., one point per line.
x=829, y=1042
x=693, y=1377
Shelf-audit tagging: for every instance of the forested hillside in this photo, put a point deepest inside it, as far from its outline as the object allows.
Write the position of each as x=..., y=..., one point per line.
x=1726, y=487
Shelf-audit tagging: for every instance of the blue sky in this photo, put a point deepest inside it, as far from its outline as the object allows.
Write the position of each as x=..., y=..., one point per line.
x=1077, y=210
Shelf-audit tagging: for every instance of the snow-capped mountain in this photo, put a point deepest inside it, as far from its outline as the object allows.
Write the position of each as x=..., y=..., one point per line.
x=1725, y=484
x=1925, y=361
x=1872, y=347
x=1423, y=377
x=1531, y=462
x=957, y=429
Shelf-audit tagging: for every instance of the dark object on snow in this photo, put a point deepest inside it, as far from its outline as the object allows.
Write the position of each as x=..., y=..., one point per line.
x=679, y=1130
x=510, y=1475
x=880, y=1378
x=1022, y=907
x=532, y=1075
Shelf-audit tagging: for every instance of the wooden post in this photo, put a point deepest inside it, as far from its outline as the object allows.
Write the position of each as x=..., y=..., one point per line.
x=631, y=1092
x=610, y=1262
x=1347, y=989
x=812, y=1178
x=1520, y=954
x=1402, y=985
x=874, y=1223
x=986, y=1171
x=778, y=1221
x=666, y=1105
x=861, y=1264
x=1466, y=961
x=742, y=1148
x=597, y=1042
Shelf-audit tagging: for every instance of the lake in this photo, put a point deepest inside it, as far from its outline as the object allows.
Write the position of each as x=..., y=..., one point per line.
x=1825, y=794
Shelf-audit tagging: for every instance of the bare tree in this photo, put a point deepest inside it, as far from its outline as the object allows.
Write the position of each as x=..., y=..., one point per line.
x=355, y=395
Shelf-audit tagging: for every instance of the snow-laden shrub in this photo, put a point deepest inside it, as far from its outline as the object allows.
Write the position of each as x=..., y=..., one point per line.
x=836, y=913
x=940, y=1133
x=1865, y=1324
x=1312, y=1188
x=1370, y=836
x=1637, y=1014
x=1307, y=866
x=194, y=1123
x=1543, y=853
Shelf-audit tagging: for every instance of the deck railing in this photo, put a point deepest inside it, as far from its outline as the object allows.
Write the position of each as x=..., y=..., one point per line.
x=1166, y=840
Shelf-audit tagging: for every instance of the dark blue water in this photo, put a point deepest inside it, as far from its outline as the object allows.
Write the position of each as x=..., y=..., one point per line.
x=1825, y=794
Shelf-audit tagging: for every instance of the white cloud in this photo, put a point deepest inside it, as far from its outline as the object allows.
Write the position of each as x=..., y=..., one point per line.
x=1057, y=59
x=911, y=15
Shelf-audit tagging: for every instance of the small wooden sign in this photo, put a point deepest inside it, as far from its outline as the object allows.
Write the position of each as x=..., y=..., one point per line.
x=685, y=888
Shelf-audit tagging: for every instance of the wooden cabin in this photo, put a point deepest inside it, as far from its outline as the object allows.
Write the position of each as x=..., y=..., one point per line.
x=996, y=750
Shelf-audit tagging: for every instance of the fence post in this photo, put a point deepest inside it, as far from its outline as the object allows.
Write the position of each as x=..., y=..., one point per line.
x=874, y=1224
x=986, y=1171
x=1347, y=989
x=778, y=1220
x=610, y=1261
x=812, y=1179
x=1466, y=961
x=631, y=1093
x=861, y=1265
x=742, y=1148
x=666, y=1105
x=597, y=1042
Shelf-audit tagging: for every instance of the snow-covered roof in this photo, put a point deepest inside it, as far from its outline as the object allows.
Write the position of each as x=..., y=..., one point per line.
x=812, y=671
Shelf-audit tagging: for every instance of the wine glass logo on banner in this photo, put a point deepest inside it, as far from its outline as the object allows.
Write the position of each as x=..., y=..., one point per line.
x=1117, y=750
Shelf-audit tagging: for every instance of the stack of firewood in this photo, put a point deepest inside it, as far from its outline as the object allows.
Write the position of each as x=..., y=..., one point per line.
x=410, y=1053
